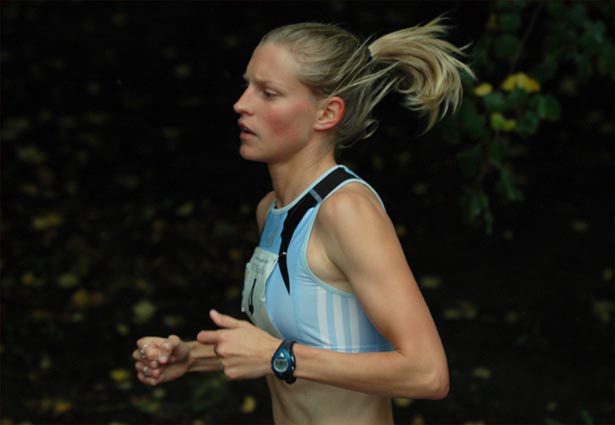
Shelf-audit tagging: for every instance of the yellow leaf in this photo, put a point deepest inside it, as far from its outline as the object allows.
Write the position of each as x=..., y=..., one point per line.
x=28, y=279
x=401, y=230
x=418, y=420
x=61, y=406
x=48, y=221
x=248, y=405
x=522, y=81
x=603, y=310
x=143, y=311
x=481, y=372
x=607, y=274
x=402, y=402
x=483, y=89
x=120, y=375
x=81, y=298
x=430, y=282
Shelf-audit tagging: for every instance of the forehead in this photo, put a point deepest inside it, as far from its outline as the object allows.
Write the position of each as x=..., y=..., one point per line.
x=273, y=63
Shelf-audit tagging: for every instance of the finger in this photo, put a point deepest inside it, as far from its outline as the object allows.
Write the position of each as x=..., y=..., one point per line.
x=136, y=355
x=208, y=337
x=148, y=372
x=167, y=348
x=223, y=320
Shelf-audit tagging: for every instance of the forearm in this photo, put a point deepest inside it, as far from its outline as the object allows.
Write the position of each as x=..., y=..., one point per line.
x=202, y=358
x=391, y=374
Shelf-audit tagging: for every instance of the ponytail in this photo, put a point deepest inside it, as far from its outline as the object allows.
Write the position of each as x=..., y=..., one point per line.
x=413, y=62
x=430, y=80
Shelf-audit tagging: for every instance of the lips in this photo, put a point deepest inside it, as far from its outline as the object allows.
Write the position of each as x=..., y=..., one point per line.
x=244, y=128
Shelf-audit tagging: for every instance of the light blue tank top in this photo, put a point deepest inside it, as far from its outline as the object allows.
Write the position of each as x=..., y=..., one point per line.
x=312, y=312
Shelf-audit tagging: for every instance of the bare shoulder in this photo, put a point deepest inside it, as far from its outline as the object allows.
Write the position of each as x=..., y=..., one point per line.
x=262, y=208
x=354, y=204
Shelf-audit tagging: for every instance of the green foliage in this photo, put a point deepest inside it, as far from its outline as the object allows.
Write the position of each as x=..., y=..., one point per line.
x=517, y=62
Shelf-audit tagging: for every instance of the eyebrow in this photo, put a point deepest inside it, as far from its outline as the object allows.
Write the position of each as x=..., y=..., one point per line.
x=260, y=81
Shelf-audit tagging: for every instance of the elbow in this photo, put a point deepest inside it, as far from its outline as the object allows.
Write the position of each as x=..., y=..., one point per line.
x=438, y=388
x=433, y=386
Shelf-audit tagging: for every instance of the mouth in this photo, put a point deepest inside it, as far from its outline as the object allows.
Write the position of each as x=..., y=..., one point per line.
x=245, y=130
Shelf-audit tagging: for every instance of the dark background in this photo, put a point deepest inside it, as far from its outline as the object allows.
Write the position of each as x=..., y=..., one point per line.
x=126, y=211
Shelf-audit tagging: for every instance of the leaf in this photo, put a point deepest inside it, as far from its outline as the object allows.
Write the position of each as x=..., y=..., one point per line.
x=31, y=155
x=143, y=311
x=47, y=221
x=507, y=186
x=248, y=405
x=472, y=121
x=510, y=22
x=528, y=124
x=430, y=282
x=506, y=46
x=500, y=123
x=494, y=102
x=482, y=372
x=469, y=160
x=482, y=89
x=402, y=402
x=548, y=108
x=68, y=280
x=185, y=209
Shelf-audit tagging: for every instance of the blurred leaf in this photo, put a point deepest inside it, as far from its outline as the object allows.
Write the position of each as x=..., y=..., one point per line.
x=143, y=311
x=548, y=108
x=494, y=102
x=506, y=46
x=470, y=160
x=430, y=282
x=528, y=124
x=184, y=209
x=31, y=155
x=510, y=22
x=482, y=372
x=47, y=221
x=580, y=226
x=483, y=89
x=402, y=402
x=68, y=280
x=507, y=186
x=248, y=405
x=182, y=70
x=500, y=123
x=603, y=310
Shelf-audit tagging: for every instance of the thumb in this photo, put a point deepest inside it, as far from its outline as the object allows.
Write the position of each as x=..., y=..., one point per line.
x=224, y=321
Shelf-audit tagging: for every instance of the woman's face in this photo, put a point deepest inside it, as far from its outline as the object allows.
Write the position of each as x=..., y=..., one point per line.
x=277, y=112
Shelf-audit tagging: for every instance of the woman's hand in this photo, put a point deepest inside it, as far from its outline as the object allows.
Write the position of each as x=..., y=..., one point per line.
x=160, y=360
x=244, y=350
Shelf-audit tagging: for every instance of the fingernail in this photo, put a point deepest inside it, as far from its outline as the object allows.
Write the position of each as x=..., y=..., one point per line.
x=163, y=359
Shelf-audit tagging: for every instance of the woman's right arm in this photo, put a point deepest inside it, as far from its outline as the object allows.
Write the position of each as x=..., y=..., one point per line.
x=160, y=360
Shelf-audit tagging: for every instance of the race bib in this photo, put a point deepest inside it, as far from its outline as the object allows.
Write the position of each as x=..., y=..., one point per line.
x=258, y=270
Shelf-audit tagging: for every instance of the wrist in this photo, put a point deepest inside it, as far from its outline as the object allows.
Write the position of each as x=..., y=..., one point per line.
x=283, y=362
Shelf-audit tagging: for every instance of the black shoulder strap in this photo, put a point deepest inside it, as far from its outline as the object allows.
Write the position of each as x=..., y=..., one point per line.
x=296, y=213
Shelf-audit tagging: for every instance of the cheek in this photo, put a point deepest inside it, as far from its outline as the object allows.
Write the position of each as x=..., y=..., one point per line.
x=290, y=122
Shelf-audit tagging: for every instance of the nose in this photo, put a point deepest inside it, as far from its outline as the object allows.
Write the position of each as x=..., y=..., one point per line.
x=242, y=105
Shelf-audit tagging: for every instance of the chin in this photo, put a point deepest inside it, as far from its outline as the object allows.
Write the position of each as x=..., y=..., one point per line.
x=249, y=155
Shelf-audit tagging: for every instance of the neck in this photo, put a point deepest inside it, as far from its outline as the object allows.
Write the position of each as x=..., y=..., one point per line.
x=291, y=178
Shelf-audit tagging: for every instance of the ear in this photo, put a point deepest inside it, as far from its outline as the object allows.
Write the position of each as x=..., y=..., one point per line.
x=330, y=114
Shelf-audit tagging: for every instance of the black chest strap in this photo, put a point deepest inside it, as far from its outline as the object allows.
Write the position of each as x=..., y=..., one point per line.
x=296, y=213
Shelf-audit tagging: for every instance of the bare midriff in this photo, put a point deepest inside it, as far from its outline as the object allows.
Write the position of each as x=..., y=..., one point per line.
x=312, y=403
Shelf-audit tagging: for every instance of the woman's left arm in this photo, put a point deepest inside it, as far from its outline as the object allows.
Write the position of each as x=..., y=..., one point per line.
x=361, y=241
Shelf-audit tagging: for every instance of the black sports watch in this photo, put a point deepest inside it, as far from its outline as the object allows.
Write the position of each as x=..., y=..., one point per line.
x=283, y=362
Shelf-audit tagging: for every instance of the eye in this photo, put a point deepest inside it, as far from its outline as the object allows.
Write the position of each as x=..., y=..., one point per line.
x=269, y=94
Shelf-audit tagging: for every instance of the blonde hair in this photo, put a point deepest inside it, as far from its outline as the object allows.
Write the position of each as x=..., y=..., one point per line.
x=414, y=62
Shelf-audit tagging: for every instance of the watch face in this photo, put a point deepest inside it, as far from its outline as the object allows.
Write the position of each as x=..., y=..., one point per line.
x=280, y=365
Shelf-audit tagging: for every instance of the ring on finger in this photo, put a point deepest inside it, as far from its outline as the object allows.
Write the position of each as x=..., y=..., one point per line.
x=142, y=352
x=144, y=371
